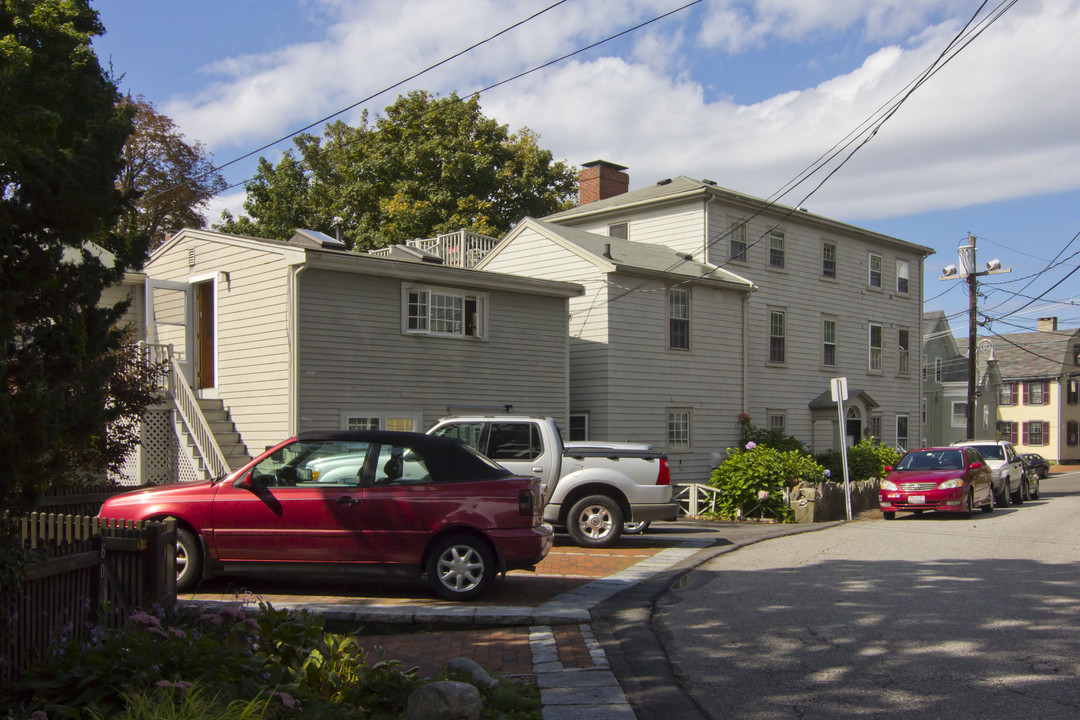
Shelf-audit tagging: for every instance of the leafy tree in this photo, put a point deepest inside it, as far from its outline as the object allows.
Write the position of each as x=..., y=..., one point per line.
x=430, y=165
x=172, y=179
x=61, y=135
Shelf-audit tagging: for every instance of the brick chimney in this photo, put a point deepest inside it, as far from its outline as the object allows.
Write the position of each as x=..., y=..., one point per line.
x=601, y=179
x=1048, y=324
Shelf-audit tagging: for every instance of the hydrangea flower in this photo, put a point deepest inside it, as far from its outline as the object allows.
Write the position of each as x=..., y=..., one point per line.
x=763, y=494
x=828, y=474
x=751, y=445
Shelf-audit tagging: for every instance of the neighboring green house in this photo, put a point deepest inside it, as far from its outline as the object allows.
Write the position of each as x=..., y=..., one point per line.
x=945, y=385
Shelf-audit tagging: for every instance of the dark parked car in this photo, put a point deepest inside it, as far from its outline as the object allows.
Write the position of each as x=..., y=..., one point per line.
x=1037, y=464
x=946, y=479
x=368, y=503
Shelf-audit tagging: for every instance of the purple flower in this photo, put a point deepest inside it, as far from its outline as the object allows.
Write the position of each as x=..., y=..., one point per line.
x=828, y=473
x=751, y=445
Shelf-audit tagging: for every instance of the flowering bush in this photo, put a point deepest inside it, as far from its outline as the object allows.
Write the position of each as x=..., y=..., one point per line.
x=753, y=480
x=866, y=459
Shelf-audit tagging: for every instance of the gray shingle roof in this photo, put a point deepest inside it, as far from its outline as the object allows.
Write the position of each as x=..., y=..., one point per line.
x=1043, y=354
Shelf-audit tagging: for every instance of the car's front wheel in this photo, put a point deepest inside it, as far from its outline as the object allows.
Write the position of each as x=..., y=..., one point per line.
x=1020, y=495
x=188, y=560
x=595, y=521
x=1002, y=499
x=888, y=514
x=988, y=507
x=460, y=567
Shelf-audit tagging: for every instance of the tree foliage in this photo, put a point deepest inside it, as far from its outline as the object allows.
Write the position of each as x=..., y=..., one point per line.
x=61, y=134
x=172, y=180
x=430, y=165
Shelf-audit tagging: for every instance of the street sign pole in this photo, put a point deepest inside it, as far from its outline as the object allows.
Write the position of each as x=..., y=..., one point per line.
x=838, y=388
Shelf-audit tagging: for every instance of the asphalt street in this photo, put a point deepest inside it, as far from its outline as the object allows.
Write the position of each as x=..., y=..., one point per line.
x=929, y=616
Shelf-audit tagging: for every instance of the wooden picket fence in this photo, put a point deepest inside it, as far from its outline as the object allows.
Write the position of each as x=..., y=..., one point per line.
x=97, y=573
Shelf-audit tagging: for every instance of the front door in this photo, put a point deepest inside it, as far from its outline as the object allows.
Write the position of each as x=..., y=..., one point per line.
x=204, y=333
x=853, y=427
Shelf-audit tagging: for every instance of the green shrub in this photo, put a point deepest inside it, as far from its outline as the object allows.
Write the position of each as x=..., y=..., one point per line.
x=771, y=438
x=866, y=459
x=752, y=481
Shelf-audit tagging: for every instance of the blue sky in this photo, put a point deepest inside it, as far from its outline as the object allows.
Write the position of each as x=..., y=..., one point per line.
x=747, y=93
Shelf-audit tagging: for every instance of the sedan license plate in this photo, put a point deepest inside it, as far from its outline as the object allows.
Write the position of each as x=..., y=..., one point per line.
x=917, y=499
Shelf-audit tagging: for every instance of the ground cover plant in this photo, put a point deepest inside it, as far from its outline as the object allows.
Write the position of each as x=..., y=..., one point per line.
x=230, y=664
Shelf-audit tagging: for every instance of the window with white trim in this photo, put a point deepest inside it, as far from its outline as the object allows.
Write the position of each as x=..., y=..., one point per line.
x=678, y=429
x=828, y=259
x=737, y=233
x=777, y=335
x=777, y=250
x=1036, y=432
x=875, y=426
x=778, y=422
x=579, y=426
x=678, y=306
x=937, y=369
x=903, y=272
x=372, y=421
x=876, y=346
x=444, y=312
x=1007, y=394
x=1006, y=430
x=829, y=343
x=1037, y=393
x=902, y=431
x=903, y=346
x=959, y=414
x=875, y=271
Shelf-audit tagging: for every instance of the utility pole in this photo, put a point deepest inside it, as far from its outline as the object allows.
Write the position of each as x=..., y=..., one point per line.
x=967, y=264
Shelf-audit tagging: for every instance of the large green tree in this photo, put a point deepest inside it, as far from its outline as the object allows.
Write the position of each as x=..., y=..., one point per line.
x=171, y=178
x=61, y=135
x=430, y=165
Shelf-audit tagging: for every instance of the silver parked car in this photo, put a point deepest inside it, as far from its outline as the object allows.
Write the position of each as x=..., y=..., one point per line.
x=1011, y=478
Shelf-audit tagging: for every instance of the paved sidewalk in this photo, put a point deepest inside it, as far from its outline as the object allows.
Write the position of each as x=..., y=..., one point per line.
x=529, y=625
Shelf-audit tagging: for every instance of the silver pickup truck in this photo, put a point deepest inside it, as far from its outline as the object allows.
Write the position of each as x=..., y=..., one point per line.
x=590, y=488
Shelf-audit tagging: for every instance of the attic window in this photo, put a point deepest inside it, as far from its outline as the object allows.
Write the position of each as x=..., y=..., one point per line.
x=619, y=230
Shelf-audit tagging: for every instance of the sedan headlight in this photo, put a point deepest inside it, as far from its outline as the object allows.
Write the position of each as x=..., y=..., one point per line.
x=950, y=484
x=888, y=485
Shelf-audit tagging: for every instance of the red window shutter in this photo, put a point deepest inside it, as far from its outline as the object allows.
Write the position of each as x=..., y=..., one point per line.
x=1027, y=393
x=1012, y=433
x=1025, y=434
x=1046, y=392
x=1046, y=432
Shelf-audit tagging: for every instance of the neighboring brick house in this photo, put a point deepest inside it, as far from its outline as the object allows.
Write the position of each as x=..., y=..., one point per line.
x=1039, y=399
x=945, y=386
x=831, y=300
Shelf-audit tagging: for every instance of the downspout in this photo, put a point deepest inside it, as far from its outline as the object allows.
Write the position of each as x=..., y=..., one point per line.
x=293, y=327
x=746, y=353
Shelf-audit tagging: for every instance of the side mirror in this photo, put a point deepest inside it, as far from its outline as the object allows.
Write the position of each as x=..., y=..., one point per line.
x=888, y=468
x=976, y=465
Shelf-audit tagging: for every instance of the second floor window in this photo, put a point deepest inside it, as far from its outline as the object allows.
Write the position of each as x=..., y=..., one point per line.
x=777, y=333
x=903, y=269
x=432, y=311
x=875, y=347
x=1007, y=394
x=776, y=249
x=903, y=341
x=829, y=349
x=738, y=241
x=1072, y=394
x=875, y=271
x=937, y=369
x=678, y=318
x=1037, y=393
x=828, y=260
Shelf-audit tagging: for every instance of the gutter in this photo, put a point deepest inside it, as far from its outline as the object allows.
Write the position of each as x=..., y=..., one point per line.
x=292, y=330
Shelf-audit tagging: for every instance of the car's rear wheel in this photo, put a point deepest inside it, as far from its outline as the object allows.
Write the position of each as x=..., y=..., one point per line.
x=460, y=567
x=969, y=511
x=188, y=561
x=888, y=514
x=1035, y=490
x=1020, y=494
x=595, y=521
x=988, y=506
x=635, y=528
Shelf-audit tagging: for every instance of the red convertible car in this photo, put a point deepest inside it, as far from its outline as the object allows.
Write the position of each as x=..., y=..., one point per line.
x=949, y=479
x=368, y=503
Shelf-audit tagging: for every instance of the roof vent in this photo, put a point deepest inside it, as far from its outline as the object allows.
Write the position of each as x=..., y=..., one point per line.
x=709, y=182
x=314, y=238
x=665, y=181
x=686, y=256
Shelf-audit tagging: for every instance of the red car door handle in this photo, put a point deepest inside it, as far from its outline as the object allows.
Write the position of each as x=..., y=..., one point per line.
x=346, y=501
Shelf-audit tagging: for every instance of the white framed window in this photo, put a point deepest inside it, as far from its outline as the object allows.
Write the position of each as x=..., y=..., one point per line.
x=579, y=426
x=777, y=250
x=778, y=421
x=876, y=347
x=903, y=348
x=1037, y=393
x=360, y=420
x=1036, y=432
x=924, y=411
x=902, y=431
x=828, y=350
x=443, y=312
x=777, y=335
x=937, y=369
x=875, y=271
x=828, y=259
x=737, y=236
x=875, y=426
x=959, y=414
x=678, y=429
x=678, y=309
x=903, y=272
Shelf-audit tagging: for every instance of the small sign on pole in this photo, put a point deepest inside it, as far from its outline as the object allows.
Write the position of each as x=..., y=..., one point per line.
x=838, y=389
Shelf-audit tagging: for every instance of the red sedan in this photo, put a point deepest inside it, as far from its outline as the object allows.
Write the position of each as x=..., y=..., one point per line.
x=367, y=503
x=946, y=479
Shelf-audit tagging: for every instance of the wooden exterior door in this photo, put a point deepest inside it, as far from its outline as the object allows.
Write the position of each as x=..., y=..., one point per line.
x=204, y=334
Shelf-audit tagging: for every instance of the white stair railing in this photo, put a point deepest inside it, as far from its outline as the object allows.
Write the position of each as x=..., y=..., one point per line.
x=696, y=499
x=190, y=413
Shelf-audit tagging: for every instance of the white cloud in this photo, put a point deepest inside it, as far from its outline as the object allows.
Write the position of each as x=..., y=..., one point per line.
x=996, y=123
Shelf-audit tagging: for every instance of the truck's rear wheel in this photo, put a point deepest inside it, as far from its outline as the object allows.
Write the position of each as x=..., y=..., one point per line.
x=595, y=521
